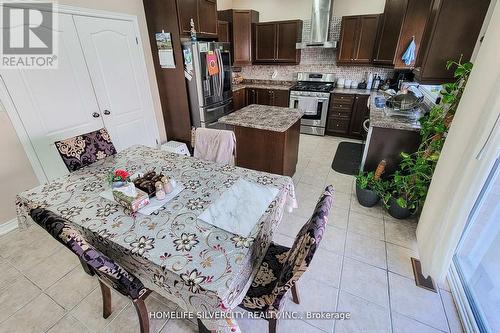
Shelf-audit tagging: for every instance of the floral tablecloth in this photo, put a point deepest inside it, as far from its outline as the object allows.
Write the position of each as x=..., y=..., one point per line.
x=196, y=265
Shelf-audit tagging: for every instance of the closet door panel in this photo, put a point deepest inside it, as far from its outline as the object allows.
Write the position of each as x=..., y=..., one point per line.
x=119, y=78
x=55, y=104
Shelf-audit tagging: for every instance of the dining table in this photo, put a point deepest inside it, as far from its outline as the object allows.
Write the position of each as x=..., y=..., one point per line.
x=202, y=268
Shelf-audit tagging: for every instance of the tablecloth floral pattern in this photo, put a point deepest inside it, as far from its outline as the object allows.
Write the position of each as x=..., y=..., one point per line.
x=199, y=266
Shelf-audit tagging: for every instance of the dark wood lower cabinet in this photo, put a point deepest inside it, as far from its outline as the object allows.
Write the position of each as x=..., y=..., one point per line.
x=346, y=115
x=239, y=99
x=272, y=97
x=269, y=151
x=281, y=98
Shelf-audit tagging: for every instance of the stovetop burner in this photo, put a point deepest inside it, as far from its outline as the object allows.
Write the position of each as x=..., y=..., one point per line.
x=314, y=86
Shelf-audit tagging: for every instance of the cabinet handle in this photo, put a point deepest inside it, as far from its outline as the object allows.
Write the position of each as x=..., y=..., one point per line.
x=107, y=112
x=96, y=115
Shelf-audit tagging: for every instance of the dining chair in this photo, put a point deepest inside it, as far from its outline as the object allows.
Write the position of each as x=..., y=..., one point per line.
x=283, y=266
x=94, y=262
x=214, y=145
x=82, y=150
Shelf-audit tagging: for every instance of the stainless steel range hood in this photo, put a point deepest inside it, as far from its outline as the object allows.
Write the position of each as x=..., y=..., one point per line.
x=320, y=23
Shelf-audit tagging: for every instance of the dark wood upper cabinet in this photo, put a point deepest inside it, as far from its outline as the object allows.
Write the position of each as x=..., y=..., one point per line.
x=223, y=32
x=204, y=15
x=417, y=15
x=275, y=42
x=207, y=17
x=367, y=35
x=453, y=31
x=389, y=29
x=265, y=42
x=288, y=34
x=357, y=39
x=240, y=22
x=187, y=10
x=348, y=34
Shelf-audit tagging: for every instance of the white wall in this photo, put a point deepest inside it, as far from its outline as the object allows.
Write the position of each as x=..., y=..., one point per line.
x=271, y=10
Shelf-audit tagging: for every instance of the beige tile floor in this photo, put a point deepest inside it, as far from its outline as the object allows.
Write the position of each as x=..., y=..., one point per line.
x=362, y=266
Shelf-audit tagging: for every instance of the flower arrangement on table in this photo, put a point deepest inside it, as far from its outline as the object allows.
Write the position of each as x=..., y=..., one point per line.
x=118, y=178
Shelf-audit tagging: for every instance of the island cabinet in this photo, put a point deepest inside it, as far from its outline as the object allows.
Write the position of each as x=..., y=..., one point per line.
x=271, y=97
x=346, y=115
x=267, y=138
x=241, y=32
x=357, y=39
x=275, y=42
x=204, y=15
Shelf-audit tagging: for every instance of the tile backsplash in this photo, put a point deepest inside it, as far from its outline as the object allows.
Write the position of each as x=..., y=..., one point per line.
x=314, y=60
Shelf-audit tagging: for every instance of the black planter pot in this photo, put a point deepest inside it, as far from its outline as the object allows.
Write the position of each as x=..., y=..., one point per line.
x=397, y=211
x=366, y=198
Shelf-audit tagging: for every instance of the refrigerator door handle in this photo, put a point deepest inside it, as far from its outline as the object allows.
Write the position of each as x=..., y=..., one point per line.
x=221, y=71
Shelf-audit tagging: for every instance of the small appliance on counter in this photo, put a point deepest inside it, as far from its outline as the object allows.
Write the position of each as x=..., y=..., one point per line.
x=312, y=95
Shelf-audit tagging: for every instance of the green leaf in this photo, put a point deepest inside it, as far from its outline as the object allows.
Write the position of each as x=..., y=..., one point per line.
x=401, y=202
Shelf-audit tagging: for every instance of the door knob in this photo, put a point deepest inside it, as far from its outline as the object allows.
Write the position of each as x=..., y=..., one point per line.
x=96, y=115
x=107, y=112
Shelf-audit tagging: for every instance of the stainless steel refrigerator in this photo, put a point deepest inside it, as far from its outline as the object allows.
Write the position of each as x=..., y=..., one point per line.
x=207, y=68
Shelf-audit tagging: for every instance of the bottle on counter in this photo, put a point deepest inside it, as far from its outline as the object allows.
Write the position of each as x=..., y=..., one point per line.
x=376, y=83
x=369, y=81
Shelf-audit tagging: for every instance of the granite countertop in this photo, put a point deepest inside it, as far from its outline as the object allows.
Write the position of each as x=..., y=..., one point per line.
x=264, y=84
x=379, y=117
x=352, y=91
x=269, y=118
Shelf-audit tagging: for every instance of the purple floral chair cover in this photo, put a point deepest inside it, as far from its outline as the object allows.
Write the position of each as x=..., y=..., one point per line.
x=85, y=149
x=121, y=280
x=283, y=266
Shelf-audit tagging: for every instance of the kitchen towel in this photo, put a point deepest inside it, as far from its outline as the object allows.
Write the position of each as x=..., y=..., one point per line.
x=240, y=208
x=215, y=145
x=409, y=55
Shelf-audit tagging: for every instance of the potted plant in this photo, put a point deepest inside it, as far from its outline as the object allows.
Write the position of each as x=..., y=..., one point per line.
x=369, y=185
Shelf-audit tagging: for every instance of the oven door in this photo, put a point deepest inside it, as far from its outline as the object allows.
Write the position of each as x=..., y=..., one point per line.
x=315, y=109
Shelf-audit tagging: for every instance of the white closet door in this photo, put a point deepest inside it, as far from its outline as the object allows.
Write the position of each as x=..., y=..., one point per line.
x=119, y=77
x=55, y=104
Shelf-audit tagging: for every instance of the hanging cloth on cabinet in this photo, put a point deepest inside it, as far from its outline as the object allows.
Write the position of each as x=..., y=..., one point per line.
x=409, y=55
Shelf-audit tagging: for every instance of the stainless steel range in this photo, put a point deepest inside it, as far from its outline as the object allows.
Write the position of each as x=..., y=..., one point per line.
x=312, y=95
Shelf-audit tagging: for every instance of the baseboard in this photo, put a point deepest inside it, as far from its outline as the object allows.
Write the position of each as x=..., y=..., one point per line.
x=8, y=226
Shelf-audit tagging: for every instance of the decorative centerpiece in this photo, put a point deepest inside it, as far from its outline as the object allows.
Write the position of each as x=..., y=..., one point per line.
x=125, y=193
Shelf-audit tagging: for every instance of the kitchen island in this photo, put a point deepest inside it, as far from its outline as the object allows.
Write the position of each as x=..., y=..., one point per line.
x=389, y=136
x=267, y=138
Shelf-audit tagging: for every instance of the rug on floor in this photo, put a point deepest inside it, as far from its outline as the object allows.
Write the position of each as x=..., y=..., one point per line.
x=348, y=157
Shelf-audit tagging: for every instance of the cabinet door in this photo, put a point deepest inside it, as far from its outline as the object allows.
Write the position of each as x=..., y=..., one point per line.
x=264, y=97
x=288, y=33
x=367, y=34
x=390, y=27
x=454, y=34
x=223, y=31
x=239, y=99
x=265, y=42
x=280, y=98
x=242, y=37
x=359, y=113
x=120, y=83
x=414, y=24
x=187, y=10
x=207, y=16
x=251, y=96
x=348, y=39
